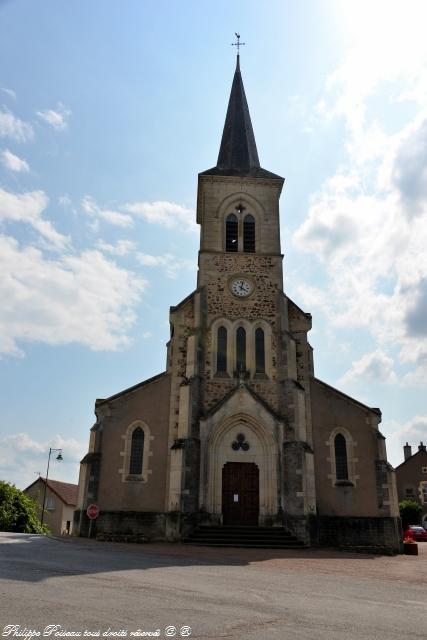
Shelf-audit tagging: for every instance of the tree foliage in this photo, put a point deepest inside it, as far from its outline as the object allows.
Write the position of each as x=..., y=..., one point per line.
x=410, y=512
x=18, y=512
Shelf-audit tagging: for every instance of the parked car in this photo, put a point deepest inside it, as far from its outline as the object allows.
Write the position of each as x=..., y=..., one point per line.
x=415, y=532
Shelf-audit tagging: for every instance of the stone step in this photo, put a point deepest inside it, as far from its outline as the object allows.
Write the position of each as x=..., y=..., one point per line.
x=240, y=536
x=244, y=545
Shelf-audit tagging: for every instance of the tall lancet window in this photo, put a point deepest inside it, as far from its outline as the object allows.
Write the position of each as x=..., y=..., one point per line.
x=259, y=351
x=240, y=350
x=341, y=467
x=231, y=233
x=136, y=452
x=221, y=353
x=249, y=234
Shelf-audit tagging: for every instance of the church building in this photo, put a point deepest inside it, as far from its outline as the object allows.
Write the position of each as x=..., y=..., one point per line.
x=238, y=431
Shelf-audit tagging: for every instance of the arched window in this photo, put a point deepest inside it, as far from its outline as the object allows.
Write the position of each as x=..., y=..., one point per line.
x=221, y=352
x=249, y=234
x=341, y=467
x=240, y=350
x=259, y=351
x=136, y=452
x=231, y=233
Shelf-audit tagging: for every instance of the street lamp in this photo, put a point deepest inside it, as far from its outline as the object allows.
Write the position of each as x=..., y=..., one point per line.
x=59, y=458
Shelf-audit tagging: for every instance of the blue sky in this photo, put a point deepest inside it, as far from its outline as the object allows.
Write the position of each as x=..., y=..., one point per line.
x=107, y=113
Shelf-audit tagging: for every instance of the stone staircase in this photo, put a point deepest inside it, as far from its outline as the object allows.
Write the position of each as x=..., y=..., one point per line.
x=244, y=537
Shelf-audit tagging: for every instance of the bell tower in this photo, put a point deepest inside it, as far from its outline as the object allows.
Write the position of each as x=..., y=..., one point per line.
x=239, y=356
x=238, y=200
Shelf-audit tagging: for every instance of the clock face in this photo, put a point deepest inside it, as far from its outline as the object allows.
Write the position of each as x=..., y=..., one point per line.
x=241, y=287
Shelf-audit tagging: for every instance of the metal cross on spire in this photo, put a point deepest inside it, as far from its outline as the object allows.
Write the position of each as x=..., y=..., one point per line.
x=238, y=44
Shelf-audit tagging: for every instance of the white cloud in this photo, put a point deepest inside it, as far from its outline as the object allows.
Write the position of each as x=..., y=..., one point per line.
x=14, y=128
x=57, y=119
x=367, y=225
x=83, y=299
x=170, y=263
x=9, y=92
x=28, y=208
x=13, y=162
x=398, y=433
x=22, y=458
x=165, y=214
x=64, y=200
x=375, y=366
x=121, y=248
x=115, y=218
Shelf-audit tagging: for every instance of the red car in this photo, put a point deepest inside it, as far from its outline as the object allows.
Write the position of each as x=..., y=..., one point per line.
x=415, y=532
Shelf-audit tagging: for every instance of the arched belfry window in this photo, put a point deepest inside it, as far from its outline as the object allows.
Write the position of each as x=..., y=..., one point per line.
x=231, y=233
x=221, y=353
x=259, y=351
x=249, y=234
x=136, y=452
x=341, y=466
x=240, y=350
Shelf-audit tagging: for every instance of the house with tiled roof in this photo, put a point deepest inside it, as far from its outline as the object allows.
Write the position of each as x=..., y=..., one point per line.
x=411, y=477
x=59, y=503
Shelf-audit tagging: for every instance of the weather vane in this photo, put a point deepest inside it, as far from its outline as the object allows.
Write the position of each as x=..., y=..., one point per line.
x=238, y=44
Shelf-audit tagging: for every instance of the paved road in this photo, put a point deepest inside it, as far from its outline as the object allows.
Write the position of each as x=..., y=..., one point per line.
x=237, y=594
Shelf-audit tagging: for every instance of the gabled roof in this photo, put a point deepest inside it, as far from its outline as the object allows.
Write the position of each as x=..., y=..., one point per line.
x=344, y=395
x=410, y=458
x=238, y=154
x=100, y=401
x=65, y=491
x=234, y=390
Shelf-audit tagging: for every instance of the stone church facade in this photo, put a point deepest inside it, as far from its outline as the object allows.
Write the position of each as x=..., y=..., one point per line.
x=238, y=430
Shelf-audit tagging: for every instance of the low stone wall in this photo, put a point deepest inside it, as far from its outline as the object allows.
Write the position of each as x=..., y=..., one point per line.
x=148, y=524
x=358, y=532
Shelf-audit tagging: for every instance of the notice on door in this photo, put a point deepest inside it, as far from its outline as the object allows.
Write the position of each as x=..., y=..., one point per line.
x=236, y=497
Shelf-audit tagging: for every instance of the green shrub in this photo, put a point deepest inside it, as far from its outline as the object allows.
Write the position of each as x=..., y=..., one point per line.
x=410, y=512
x=17, y=511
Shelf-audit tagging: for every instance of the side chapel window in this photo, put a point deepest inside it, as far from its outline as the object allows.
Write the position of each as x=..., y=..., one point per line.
x=221, y=356
x=240, y=350
x=341, y=467
x=231, y=233
x=259, y=351
x=249, y=234
x=136, y=452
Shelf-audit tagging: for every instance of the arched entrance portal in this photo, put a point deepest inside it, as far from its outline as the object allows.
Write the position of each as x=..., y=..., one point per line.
x=240, y=493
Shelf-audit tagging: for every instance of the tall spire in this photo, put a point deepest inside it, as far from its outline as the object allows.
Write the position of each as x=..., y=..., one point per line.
x=238, y=155
x=238, y=147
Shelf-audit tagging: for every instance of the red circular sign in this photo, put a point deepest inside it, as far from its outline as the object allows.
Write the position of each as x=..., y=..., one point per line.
x=92, y=511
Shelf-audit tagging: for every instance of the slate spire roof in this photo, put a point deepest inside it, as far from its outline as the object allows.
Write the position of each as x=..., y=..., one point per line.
x=238, y=153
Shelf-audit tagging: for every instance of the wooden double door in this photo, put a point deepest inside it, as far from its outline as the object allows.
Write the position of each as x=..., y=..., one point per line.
x=240, y=493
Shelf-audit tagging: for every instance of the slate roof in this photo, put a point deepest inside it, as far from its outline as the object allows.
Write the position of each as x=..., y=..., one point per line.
x=238, y=155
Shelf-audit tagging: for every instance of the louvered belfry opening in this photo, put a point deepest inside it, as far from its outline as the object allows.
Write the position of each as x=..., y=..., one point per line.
x=231, y=233
x=249, y=234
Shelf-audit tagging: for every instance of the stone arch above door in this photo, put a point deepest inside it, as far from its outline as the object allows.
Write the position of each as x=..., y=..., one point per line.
x=261, y=448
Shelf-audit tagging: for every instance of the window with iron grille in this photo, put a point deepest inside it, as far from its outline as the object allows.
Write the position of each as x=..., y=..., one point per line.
x=231, y=233
x=136, y=452
x=221, y=356
x=341, y=467
x=249, y=234
x=259, y=351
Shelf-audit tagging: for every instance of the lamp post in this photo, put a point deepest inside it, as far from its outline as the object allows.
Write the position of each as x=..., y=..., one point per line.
x=59, y=458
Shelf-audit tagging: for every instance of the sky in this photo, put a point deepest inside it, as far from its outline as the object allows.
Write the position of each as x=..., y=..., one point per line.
x=108, y=111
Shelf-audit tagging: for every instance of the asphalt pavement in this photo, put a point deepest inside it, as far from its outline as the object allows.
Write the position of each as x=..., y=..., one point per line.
x=62, y=588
